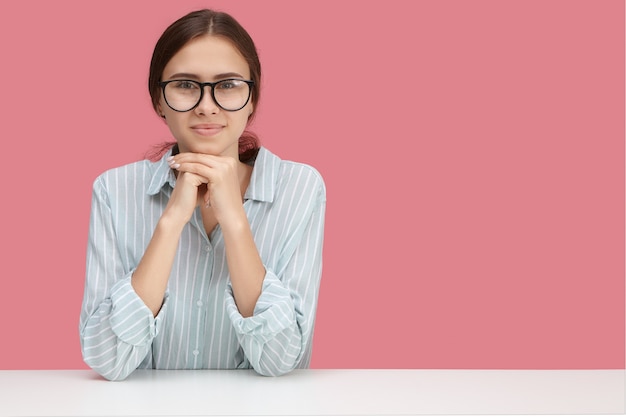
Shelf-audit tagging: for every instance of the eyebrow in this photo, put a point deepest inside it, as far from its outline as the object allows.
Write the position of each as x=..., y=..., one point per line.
x=216, y=77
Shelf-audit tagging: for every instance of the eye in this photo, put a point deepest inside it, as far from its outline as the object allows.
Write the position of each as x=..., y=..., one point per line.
x=229, y=84
x=185, y=85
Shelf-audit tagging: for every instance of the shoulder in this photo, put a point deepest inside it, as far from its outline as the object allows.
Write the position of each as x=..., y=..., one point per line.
x=302, y=176
x=290, y=177
x=121, y=176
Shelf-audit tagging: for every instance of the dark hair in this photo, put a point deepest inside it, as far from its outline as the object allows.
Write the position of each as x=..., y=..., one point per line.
x=194, y=25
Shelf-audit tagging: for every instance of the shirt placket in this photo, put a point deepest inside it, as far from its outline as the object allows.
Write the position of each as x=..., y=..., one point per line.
x=203, y=277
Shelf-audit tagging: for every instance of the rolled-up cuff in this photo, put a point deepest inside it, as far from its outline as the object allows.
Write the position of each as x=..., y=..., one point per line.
x=273, y=312
x=131, y=320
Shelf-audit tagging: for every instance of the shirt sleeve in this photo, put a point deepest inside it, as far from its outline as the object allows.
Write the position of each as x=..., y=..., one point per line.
x=116, y=327
x=278, y=337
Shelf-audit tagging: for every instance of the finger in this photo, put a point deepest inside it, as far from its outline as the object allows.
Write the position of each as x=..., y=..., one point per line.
x=191, y=157
x=211, y=161
x=191, y=167
x=192, y=179
x=224, y=172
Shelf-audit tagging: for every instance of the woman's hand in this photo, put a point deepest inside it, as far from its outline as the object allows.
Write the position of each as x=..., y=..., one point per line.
x=220, y=174
x=185, y=197
x=225, y=182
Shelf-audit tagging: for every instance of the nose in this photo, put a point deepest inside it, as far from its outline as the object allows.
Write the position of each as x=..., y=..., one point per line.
x=207, y=105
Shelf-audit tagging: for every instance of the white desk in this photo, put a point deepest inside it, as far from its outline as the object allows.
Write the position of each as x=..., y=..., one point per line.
x=312, y=392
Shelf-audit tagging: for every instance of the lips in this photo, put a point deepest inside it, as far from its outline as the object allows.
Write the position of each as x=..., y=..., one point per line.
x=207, y=129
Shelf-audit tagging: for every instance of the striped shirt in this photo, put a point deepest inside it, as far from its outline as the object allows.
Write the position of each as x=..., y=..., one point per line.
x=199, y=325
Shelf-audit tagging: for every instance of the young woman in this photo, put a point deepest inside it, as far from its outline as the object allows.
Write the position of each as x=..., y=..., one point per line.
x=210, y=257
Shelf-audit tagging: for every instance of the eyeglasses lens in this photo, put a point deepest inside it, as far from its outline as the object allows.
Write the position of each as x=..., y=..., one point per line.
x=183, y=95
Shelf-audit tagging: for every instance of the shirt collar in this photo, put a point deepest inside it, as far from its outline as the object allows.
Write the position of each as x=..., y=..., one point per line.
x=262, y=185
x=161, y=175
x=264, y=179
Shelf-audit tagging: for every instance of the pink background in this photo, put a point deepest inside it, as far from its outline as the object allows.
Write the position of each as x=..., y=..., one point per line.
x=473, y=153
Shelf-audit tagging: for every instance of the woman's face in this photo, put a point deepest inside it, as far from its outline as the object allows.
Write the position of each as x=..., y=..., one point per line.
x=207, y=128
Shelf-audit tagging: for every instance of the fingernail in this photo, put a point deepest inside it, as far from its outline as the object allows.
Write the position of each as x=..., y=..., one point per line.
x=169, y=159
x=175, y=166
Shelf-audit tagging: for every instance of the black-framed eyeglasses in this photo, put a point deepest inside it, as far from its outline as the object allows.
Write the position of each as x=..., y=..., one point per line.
x=184, y=95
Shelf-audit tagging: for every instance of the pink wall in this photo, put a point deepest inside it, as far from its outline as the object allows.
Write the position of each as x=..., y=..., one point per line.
x=473, y=153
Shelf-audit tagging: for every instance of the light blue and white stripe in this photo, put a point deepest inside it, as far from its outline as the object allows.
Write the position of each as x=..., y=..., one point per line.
x=199, y=326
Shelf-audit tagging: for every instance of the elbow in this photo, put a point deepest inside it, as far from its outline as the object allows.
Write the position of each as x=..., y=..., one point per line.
x=273, y=372
x=110, y=376
x=273, y=365
x=108, y=372
x=111, y=367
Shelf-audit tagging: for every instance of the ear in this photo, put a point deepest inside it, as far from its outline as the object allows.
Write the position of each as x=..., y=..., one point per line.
x=160, y=111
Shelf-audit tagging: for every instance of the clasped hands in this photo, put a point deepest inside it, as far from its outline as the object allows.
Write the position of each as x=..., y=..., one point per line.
x=209, y=181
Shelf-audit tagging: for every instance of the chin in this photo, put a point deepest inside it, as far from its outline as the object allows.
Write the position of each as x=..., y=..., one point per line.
x=207, y=150
x=210, y=145
x=211, y=149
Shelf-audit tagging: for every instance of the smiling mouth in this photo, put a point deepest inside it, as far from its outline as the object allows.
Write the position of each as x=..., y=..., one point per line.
x=207, y=130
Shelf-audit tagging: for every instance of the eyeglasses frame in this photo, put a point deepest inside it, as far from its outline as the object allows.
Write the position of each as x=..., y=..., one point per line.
x=250, y=83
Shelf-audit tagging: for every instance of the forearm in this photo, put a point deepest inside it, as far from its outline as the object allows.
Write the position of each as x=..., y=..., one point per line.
x=150, y=278
x=244, y=265
x=278, y=355
x=113, y=345
x=278, y=338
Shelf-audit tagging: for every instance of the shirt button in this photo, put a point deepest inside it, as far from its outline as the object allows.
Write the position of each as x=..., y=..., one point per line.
x=199, y=303
x=208, y=248
x=196, y=352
